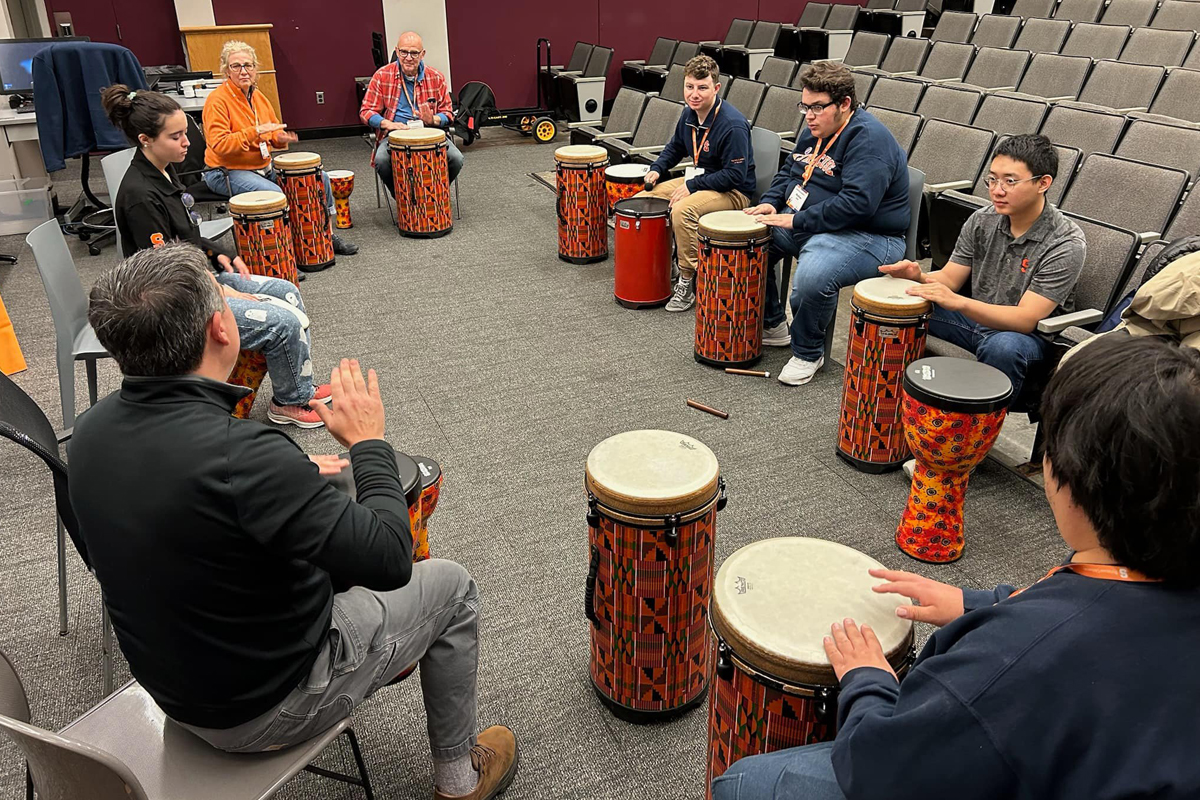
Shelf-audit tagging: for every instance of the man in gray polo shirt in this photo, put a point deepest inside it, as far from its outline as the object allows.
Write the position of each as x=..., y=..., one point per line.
x=1022, y=257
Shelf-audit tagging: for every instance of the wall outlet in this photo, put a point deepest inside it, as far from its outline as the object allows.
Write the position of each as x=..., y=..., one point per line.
x=320, y=98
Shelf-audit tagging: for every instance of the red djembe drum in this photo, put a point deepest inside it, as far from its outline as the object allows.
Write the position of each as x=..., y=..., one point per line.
x=341, y=183
x=953, y=409
x=653, y=498
x=263, y=235
x=642, y=252
x=772, y=605
x=421, y=178
x=622, y=181
x=731, y=276
x=582, y=203
x=431, y=490
x=887, y=333
x=299, y=176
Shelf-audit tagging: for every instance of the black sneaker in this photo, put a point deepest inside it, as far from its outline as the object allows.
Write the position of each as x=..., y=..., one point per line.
x=343, y=248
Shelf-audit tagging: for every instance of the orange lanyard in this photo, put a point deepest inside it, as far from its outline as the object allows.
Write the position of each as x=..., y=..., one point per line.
x=1104, y=572
x=696, y=150
x=808, y=171
x=412, y=102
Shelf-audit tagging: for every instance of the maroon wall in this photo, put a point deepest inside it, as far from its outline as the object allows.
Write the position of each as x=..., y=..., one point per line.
x=147, y=27
x=498, y=48
x=318, y=47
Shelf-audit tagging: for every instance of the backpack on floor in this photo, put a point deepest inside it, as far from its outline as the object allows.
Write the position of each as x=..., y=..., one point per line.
x=1174, y=250
x=475, y=101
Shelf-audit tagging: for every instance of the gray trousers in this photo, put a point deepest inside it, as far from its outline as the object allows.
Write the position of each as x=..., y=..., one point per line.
x=373, y=637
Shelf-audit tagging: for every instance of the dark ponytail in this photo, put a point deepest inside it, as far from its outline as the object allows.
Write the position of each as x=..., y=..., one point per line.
x=137, y=112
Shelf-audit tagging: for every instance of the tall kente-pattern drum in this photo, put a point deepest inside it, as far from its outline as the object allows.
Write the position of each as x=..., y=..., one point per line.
x=421, y=177
x=731, y=276
x=299, y=175
x=582, y=203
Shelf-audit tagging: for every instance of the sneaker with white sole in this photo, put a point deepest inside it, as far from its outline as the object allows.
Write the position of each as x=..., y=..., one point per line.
x=322, y=393
x=798, y=371
x=685, y=295
x=779, y=336
x=910, y=468
x=300, y=416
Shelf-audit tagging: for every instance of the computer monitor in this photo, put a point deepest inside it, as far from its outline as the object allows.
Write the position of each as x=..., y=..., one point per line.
x=16, y=61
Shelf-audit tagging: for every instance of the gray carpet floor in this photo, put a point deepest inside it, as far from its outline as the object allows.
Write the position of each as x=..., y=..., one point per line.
x=507, y=365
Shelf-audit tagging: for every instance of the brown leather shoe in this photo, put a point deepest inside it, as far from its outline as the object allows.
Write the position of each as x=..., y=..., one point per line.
x=496, y=757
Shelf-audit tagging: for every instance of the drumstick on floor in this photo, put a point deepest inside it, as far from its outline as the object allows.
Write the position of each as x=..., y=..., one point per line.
x=708, y=409
x=754, y=373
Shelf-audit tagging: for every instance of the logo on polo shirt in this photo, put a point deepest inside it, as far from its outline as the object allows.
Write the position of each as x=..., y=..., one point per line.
x=707, y=147
x=156, y=240
x=1024, y=265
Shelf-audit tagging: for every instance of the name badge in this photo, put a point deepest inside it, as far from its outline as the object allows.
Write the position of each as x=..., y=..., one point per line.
x=262, y=148
x=692, y=172
x=796, y=200
x=415, y=123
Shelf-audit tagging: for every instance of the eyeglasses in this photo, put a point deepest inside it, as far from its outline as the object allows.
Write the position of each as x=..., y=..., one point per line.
x=1007, y=183
x=189, y=203
x=409, y=53
x=242, y=67
x=815, y=108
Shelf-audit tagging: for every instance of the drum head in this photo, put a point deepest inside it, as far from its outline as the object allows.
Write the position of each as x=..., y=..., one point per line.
x=652, y=472
x=731, y=226
x=257, y=202
x=630, y=173
x=885, y=295
x=956, y=384
x=409, y=478
x=773, y=602
x=580, y=154
x=336, y=174
x=285, y=162
x=643, y=207
x=430, y=470
x=416, y=137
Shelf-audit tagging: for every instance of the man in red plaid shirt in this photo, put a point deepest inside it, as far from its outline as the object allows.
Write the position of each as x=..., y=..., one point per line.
x=421, y=99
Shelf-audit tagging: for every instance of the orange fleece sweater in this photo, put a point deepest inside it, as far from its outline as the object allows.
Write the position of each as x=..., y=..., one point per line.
x=230, y=129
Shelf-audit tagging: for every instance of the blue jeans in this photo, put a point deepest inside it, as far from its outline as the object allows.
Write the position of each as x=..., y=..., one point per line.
x=246, y=180
x=383, y=163
x=825, y=263
x=800, y=773
x=1008, y=351
x=275, y=332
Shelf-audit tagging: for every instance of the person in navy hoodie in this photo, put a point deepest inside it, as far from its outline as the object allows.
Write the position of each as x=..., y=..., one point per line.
x=1082, y=685
x=839, y=205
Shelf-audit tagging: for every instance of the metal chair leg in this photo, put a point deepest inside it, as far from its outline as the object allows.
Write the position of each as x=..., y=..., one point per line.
x=378, y=204
x=362, y=767
x=93, y=392
x=457, y=202
x=66, y=387
x=28, y=783
x=62, y=578
x=106, y=646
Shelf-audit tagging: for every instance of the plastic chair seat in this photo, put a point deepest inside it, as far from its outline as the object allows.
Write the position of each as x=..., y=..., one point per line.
x=86, y=345
x=172, y=763
x=216, y=228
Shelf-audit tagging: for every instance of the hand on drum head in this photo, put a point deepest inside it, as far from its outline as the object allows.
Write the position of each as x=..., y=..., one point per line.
x=937, y=603
x=939, y=293
x=760, y=209
x=909, y=270
x=356, y=413
x=851, y=647
x=329, y=465
x=389, y=125
x=784, y=221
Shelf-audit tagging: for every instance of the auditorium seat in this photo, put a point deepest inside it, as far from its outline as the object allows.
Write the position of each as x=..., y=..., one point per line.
x=1010, y=115
x=898, y=94
x=777, y=71
x=622, y=120
x=780, y=112
x=1193, y=59
x=548, y=76
x=1096, y=41
x=653, y=131
x=1178, y=98
x=906, y=18
x=746, y=96
x=660, y=56
x=1164, y=48
x=866, y=49
x=1162, y=144
x=1177, y=15
x=1079, y=10
x=904, y=127
x=1139, y=196
x=1186, y=221
x=997, y=69
x=1043, y=35
x=904, y=57
x=581, y=96
x=951, y=155
x=745, y=62
x=813, y=16
x=864, y=82
x=1033, y=9
x=737, y=35
x=1119, y=86
x=831, y=40
x=1134, y=13
x=996, y=30
x=1054, y=77
x=950, y=103
x=672, y=88
x=948, y=61
x=653, y=78
x=954, y=26
x=1090, y=130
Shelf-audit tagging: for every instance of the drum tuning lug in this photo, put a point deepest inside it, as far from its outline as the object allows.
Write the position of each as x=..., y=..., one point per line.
x=724, y=665
x=673, y=530
x=589, y=592
x=723, y=499
x=826, y=705
x=593, y=517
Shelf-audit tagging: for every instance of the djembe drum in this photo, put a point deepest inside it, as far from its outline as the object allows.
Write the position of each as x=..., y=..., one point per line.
x=410, y=482
x=731, y=276
x=263, y=234
x=642, y=252
x=582, y=203
x=622, y=181
x=341, y=183
x=887, y=333
x=421, y=177
x=772, y=605
x=431, y=489
x=953, y=410
x=653, y=498
x=299, y=176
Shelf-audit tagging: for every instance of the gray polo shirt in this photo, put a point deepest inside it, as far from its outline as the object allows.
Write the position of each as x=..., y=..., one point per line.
x=1046, y=260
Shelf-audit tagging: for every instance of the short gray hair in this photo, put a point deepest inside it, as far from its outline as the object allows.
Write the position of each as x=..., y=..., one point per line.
x=151, y=311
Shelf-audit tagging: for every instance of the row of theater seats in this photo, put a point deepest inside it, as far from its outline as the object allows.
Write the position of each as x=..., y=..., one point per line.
x=575, y=91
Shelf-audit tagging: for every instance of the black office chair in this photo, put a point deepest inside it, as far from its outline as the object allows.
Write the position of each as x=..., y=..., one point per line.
x=192, y=169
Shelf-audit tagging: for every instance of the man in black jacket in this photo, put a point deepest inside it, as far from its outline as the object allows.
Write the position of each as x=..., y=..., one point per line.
x=217, y=542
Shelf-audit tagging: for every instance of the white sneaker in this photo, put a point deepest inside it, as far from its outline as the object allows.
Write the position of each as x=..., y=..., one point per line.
x=684, y=297
x=779, y=336
x=798, y=371
x=910, y=467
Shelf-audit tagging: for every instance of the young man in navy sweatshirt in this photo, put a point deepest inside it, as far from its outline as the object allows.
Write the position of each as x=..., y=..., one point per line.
x=716, y=137
x=1082, y=685
x=839, y=205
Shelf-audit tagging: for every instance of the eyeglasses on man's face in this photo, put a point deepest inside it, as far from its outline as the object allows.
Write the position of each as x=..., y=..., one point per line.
x=815, y=109
x=409, y=54
x=1007, y=183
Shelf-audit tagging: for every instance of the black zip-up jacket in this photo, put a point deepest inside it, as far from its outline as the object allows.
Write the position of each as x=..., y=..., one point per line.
x=217, y=543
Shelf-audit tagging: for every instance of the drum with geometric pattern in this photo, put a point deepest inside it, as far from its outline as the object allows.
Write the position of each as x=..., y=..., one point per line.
x=731, y=276
x=582, y=203
x=653, y=498
x=953, y=409
x=623, y=181
x=299, y=174
x=421, y=178
x=772, y=605
x=887, y=333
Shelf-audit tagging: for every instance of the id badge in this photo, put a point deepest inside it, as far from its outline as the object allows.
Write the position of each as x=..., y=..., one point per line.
x=796, y=201
x=415, y=123
x=692, y=172
x=262, y=148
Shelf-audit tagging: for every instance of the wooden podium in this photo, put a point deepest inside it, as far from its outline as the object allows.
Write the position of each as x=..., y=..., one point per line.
x=203, y=44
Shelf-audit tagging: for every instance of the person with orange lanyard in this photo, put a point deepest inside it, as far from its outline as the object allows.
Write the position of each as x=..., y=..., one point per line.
x=716, y=136
x=1081, y=685
x=839, y=205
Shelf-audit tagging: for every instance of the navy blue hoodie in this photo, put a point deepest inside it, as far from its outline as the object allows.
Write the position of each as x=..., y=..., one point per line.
x=1076, y=688
x=726, y=157
x=861, y=184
